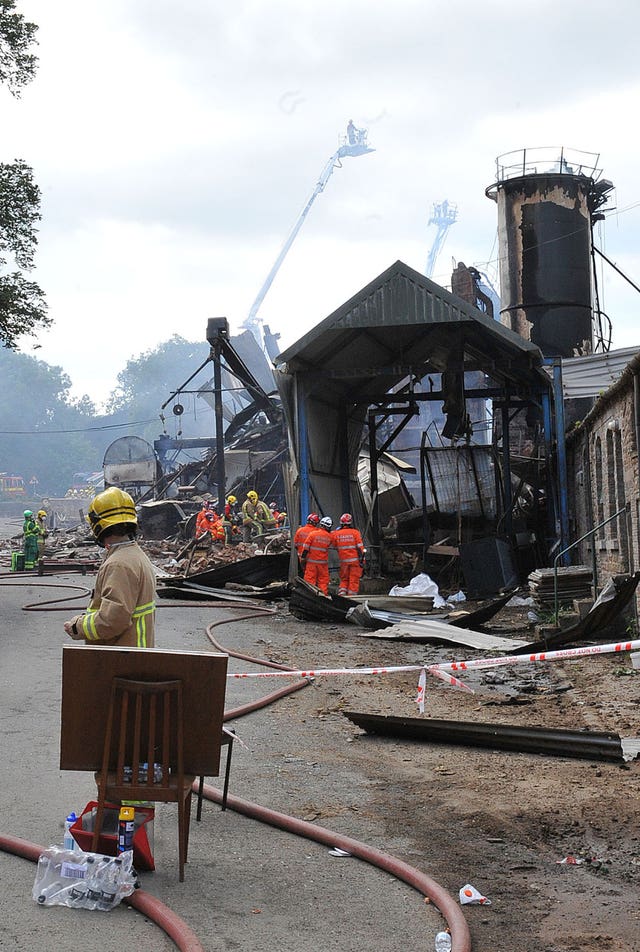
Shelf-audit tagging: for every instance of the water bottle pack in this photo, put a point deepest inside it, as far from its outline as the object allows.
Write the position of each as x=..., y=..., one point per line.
x=143, y=771
x=83, y=880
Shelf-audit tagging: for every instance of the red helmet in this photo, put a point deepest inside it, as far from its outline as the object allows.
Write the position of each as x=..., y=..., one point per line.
x=313, y=519
x=346, y=519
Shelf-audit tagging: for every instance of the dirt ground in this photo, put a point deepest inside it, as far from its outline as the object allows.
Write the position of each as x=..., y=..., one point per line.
x=498, y=820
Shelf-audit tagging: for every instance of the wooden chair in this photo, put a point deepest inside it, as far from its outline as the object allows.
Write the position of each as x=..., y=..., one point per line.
x=228, y=737
x=143, y=752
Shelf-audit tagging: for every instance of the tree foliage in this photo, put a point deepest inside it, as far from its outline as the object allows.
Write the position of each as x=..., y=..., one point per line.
x=43, y=433
x=22, y=306
x=149, y=380
x=17, y=62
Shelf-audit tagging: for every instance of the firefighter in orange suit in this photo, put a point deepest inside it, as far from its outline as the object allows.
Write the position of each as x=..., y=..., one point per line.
x=122, y=607
x=303, y=532
x=351, y=552
x=203, y=520
x=315, y=555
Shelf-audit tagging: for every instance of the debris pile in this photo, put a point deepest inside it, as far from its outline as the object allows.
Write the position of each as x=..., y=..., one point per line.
x=171, y=556
x=574, y=581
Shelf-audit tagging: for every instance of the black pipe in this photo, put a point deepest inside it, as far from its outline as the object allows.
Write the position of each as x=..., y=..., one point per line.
x=584, y=745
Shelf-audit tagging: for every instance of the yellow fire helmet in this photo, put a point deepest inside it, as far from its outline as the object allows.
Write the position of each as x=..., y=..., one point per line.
x=111, y=508
x=42, y=514
x=231, y=500
x=252, y=496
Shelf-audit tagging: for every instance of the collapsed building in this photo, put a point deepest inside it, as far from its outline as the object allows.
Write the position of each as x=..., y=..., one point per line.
x=464, y=440
x=361, y=373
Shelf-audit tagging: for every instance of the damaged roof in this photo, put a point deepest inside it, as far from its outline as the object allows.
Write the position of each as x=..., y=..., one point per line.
x=403, y=323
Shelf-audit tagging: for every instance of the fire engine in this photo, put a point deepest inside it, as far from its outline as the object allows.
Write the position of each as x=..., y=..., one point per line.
x=12, y=487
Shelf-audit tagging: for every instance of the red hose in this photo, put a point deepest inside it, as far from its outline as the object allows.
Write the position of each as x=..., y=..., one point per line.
x=460, y=936
x=175, y=927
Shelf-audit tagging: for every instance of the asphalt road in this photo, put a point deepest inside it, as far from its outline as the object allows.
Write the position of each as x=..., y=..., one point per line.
x=247, y=885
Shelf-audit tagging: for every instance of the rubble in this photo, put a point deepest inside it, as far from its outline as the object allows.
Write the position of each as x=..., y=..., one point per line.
x=170, y=556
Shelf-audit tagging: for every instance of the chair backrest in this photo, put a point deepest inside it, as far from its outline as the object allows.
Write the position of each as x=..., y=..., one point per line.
x=144, y=734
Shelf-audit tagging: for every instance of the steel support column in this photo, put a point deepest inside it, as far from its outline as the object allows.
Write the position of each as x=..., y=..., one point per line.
x=217, y=394
x=303, y=453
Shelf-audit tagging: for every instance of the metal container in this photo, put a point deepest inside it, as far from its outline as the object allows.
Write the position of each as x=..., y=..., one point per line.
x=547, y=200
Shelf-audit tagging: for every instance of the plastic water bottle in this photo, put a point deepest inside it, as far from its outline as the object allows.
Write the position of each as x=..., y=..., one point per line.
x=68, y=842
x=51, y=890
x=93, y=882
x=443, y=941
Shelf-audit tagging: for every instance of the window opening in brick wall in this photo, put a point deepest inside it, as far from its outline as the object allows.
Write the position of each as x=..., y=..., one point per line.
x=599, y=488
x=621, y=499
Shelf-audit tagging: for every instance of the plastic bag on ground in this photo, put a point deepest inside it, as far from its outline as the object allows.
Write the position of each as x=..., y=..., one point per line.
x=456, y=598
x=420, y=585
x=83, y=880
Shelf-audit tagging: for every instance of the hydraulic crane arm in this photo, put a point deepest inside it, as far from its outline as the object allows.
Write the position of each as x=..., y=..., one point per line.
x=355, y=145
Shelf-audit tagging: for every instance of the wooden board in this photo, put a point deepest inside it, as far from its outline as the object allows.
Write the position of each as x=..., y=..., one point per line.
x=87, y=673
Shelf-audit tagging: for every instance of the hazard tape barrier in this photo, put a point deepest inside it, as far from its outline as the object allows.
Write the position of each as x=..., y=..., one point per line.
x=444, y=670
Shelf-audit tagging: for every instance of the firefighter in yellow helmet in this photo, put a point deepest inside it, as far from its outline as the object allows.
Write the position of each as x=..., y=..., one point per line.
x=256, y=517
x=231, y=519
x=41, y=520
x=122, y=608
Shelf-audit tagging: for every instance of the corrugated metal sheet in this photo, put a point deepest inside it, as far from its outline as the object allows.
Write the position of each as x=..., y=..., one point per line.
x=403, y=322
x=400, y=324
x=593, y=375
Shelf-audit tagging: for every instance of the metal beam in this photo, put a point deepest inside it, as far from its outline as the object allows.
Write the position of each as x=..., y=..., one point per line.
x=585, y=745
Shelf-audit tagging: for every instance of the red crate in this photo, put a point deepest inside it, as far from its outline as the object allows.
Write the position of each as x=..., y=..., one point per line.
x=82, y=832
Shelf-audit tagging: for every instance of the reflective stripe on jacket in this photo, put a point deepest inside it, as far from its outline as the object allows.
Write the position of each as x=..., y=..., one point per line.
x=317, y=545
x=301, y=536
x=349, y=544
x=257, y=512
x=122, y=609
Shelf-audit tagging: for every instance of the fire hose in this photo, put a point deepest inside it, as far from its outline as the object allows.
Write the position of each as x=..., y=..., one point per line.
x=175, y=927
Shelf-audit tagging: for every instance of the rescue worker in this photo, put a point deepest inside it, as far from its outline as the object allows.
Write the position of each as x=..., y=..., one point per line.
x=278, y=514
x=351, y=552
x=256, y=517
x=42, y=531
x=231, y=519
x=209, y=524
x=30, y=532
x=302, y=532
x=216, y=527
x=315, y=555
x=122, y=608
x=203, y=520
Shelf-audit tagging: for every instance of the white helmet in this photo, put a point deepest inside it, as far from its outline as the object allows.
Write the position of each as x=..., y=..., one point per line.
x=326, y=522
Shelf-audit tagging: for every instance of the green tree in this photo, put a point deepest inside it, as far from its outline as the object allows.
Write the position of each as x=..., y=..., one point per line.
x=17, y=62
x=22, y=306
x=42, y=432
x=148, y=380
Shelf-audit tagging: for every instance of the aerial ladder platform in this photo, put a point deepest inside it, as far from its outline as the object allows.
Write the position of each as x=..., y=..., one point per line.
x=352, y=145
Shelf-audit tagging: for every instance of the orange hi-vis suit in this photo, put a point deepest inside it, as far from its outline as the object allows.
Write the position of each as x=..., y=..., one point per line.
x=209, y=521
x=350, y=547
x=315, y=556
x=301, y=536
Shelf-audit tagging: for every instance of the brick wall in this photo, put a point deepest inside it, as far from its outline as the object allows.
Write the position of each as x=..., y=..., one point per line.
x=602, y=460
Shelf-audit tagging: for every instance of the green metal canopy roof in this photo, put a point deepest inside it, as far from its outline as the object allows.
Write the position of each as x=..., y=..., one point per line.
x=403, y=323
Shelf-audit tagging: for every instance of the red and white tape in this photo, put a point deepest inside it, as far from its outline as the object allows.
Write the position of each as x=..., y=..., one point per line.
x=319, y=672
x=444, y=671
x=562, y=654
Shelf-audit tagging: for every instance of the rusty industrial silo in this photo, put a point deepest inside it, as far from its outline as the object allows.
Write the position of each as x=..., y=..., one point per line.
x=547, y=202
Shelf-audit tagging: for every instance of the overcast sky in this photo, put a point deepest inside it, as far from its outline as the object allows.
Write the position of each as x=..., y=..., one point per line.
x=176, y=144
